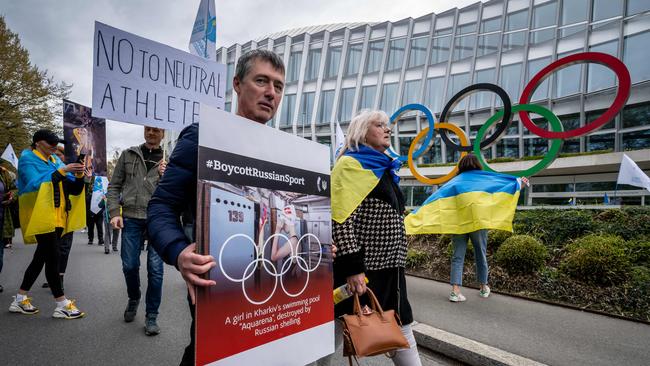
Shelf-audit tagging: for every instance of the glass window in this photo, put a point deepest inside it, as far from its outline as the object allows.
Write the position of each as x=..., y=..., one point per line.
x=535, y=146
x=453, y=156
x=510, y=81
x=513, y=129
x=396, y=54
x=440, y=50
x=517, y=20
x=512, y=41
x=434, y=93
x=488, y=44
x=598, y=76
x=388, y=98
x=542, y=36
x=420, y=194
x=294, y=66
x=354, y=59
x=491, y=25
x=325, y=140
x=464, y=47
x=544, y=15
x=368, y=97
x=411, y=92
x=375, y=53
x=306, y=108
x=636, y=140
x=228, y=106
x=313, y=63
x=325, y=107
x=466, y=28
x=442, y=32
x=288, y=106
x=570, y=122
x=635, y=57
x=333, y=61
x=636, y=115
x=345, y=104
x=574, y=11
x=230, y=73
x=600, y=142
x=534, y=66
x=456, y=83
x=637, y=6
x=482, y=99
x=553, y=187
x=570, y=145
x=605, y=9
x=508, y=148
x=405, y=144
x=592, y=115
x=418, y=52
x=567, y=80
x=433, y=155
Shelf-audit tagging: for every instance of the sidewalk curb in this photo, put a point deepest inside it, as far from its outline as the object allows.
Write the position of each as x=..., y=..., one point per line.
x=466, y=350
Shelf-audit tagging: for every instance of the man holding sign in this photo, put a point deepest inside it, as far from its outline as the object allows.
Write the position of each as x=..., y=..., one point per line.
x=259, y=84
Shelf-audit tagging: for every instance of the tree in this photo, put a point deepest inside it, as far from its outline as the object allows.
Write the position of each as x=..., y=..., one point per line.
x=29, y=98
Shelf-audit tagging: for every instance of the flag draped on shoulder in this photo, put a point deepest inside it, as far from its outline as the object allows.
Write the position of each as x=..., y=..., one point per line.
x=355, y=175
x=36, y=191
x=471, y=201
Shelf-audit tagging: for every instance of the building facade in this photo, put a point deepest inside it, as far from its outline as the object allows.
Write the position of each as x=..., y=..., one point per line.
x=335, y=70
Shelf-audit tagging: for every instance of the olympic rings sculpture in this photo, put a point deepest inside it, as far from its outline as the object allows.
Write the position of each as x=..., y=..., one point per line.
x=505, y=115
x=259, y=258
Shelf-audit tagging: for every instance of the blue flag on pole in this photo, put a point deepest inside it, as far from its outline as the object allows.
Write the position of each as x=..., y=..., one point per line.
x=204, y=32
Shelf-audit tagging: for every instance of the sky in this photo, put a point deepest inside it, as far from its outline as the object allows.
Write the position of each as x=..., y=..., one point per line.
x=59, y=34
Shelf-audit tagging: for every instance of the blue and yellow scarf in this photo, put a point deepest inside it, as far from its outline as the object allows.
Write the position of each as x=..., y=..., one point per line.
x=355, y=175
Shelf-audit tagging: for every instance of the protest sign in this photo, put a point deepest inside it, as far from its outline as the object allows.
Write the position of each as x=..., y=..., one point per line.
x=264, y=215
x=85, y=135
x=140, y=81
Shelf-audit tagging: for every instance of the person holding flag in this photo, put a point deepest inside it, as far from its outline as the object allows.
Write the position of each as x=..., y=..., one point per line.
x=51, y=200
x=466, y=207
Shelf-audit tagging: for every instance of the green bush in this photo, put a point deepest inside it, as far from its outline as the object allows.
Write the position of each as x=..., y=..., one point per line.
x=640, y=277
x=627, y=223
x=497, y=237
x=638, y=250
x=469, y=252
x=555, y=228
x=416, y=258
x=599, y=259
x=521, y=254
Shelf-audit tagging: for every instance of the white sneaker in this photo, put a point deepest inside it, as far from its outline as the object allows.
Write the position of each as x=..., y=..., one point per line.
x=485, y=292
x=23, y=307
x=68, y=311
x=456, y=297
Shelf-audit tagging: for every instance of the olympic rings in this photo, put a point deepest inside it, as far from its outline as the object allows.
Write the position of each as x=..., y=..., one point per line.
x=501, y=127
x=553, y=152
x=395, y=117
x=272, y=270
x=624, y=84
x=463, y=141
x=505, y=115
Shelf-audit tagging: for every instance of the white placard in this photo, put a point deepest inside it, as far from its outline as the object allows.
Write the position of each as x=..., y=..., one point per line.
x=140, y=81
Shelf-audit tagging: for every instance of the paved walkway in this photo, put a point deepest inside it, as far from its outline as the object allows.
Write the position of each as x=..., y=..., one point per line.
x=549, y=334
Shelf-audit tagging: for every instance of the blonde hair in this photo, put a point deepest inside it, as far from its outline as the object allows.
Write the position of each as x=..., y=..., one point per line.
x=358, y=128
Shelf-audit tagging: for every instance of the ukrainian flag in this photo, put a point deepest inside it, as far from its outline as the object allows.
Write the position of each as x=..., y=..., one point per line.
x=355, y=175
x=36, y=198
x=471, y=201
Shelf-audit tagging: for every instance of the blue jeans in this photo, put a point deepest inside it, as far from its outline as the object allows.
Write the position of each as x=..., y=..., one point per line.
x=132, y=239
x=479, y=241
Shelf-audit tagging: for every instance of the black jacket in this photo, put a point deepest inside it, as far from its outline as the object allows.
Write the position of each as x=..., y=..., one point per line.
x=174, y=196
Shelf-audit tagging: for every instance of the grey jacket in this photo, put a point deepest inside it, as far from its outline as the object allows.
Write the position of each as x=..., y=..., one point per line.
x=133, y=183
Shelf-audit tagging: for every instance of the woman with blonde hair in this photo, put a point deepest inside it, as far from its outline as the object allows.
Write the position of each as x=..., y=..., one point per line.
x=368, y=224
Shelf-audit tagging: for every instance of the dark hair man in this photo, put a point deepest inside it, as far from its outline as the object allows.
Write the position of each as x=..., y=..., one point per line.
x=134, y=180
x=259, y=83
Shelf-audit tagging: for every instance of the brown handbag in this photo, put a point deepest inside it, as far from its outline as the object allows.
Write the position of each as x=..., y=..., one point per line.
x=371, y=333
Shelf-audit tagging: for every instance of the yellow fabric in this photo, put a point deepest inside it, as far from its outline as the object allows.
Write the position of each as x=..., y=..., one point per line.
x=464, y=213
x=38, y=215
x=351, y=183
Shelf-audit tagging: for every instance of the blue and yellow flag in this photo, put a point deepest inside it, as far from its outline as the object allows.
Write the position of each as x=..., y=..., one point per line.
x=471, y=201
x=355, y=175
x=36, y=198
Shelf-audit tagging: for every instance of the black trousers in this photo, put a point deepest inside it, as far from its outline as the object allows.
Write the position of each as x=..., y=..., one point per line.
x=92, y=221
x=188, y=355
x=47, y=253
x=64, y=251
